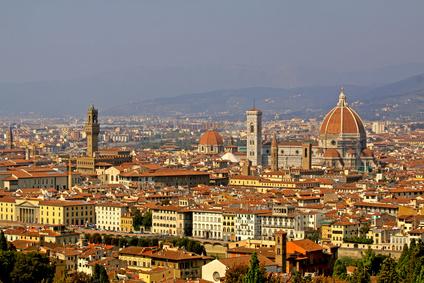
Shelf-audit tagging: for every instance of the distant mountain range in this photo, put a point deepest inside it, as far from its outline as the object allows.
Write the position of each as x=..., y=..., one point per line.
x=220, y=91
x=403, y=99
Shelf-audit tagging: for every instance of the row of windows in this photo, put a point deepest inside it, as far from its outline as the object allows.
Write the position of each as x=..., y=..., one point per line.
x=206, y=226
x=165, y=218
x=164, y=225
x=207, y=218
x=67, y=213
x=207, y=234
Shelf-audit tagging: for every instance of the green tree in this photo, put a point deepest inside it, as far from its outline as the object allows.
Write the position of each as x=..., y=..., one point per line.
x=78, y=277
x=32, y=267
x=364, y=228
x=186, y=243
x=133, y=241
x=99, y=274
x=388, y=273
x=137, y=219
x=314, y=236
x=372, y=261
x=3, y=242
x=339, y=269
x=96, y=238
x=115, y=241
x=403, y=262
x=419, y=276
x=361, y=274
x=7, y=262
x=123, y=242
x=235, y=274
x=107, y=240
x=298, y=278
x=255, y=274
x=147, y=220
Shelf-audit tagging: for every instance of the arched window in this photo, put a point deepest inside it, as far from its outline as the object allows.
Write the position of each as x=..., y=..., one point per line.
x=252, y=128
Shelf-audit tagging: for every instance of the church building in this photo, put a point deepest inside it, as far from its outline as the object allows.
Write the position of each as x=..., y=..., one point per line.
x=341, y=143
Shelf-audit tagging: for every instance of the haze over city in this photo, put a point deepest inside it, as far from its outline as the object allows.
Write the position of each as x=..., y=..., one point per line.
x=134, y=50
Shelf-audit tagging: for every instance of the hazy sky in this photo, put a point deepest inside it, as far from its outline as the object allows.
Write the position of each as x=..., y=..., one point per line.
x=44, y=40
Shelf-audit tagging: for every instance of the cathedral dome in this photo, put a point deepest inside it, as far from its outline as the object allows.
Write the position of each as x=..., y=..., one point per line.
x=211, y=138
x=342, y=120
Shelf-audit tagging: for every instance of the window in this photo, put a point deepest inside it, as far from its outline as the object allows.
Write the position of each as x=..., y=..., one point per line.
x=252, y=128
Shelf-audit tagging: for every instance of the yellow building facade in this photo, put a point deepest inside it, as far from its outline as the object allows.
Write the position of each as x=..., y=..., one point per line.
x=52, y=212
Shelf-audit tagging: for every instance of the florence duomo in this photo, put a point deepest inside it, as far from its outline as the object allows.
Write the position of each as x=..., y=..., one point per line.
x=131, y=151
x=341, y=142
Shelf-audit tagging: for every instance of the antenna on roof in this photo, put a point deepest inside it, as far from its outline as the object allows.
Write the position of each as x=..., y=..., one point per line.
x=254, y=103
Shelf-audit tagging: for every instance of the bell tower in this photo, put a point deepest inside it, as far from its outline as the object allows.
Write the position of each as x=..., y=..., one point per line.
x=10, y=137
x=92, y=130
x=274, y=153
x=281, y=250
x=254, y=136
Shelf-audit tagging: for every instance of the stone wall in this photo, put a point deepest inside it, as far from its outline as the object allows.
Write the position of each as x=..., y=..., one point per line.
x=357, y=253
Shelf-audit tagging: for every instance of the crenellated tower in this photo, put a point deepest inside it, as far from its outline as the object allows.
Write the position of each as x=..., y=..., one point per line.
x=92, y=130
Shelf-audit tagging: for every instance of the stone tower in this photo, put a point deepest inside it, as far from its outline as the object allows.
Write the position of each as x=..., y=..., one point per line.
x=92, y=129
x=254, y=136
x=10, y=138
x=274, y=153
x=281, y=250
x=307, y=156
x=69, y=173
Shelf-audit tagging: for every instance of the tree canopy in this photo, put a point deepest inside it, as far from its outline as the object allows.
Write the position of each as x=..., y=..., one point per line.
x=99, y=275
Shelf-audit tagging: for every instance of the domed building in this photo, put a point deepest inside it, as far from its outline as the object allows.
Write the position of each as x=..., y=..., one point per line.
x=211, y=142
x=343, y=140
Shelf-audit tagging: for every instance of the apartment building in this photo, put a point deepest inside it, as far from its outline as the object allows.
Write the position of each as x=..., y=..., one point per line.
x=185, y=265
x=248, y=225
x=109, y=215
x=172, y=220
x=65, y=212
x=229, y=226
x=208, y=224
x=343, y=229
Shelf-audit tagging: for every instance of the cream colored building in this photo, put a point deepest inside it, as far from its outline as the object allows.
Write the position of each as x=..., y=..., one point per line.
x=39, y=177
x=171, y=220
x=214, y=271
x=109, y=214
x=208, y=224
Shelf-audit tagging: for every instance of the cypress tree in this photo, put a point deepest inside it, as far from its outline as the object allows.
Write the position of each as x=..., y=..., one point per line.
x=255, y=273
x=100, y=274
x=388, y=273
x=3, y=242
